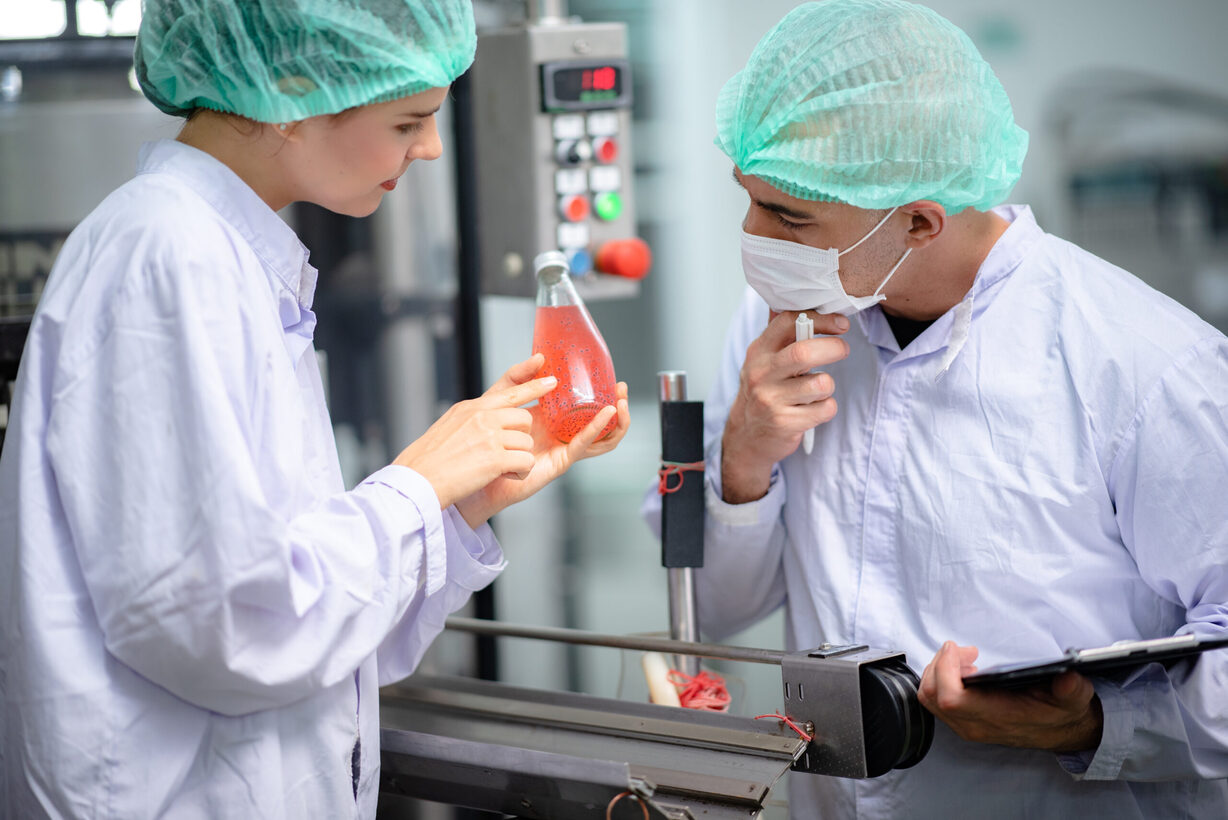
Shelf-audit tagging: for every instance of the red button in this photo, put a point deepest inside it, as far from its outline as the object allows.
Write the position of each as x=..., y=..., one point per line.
x=574, y=208
x=605, y=149
x=625, y=257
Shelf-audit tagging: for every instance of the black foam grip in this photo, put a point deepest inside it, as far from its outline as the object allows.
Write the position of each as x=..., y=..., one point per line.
x=682, y=511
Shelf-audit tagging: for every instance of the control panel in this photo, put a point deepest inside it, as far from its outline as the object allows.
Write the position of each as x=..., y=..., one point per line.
x=552, y=149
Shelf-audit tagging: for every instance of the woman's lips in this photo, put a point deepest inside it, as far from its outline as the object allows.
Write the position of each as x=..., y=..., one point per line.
x=388, y=184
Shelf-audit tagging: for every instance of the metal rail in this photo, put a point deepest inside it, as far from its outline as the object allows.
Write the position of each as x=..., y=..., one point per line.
x=478, y=626
x=546, y=754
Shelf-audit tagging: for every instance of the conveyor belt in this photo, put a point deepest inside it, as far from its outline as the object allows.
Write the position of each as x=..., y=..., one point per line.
x=564, y=756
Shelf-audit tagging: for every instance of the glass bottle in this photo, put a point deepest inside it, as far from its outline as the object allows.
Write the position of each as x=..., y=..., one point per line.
x=575, y=353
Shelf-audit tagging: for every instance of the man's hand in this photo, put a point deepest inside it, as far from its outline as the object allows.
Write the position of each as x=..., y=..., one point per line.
x=1063, y=717
x=778, y=400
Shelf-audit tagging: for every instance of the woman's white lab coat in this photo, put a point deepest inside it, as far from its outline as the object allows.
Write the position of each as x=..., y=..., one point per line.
x=197, y=615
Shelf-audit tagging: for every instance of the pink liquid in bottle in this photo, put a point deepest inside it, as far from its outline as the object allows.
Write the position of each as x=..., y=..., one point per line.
x=577, y=356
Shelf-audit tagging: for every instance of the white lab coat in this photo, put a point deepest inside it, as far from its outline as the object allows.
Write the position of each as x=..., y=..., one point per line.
x=197, y=616
x=1045, y=466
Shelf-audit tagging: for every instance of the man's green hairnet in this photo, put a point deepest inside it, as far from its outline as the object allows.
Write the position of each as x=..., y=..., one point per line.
x=286, y=60
x=874, y=103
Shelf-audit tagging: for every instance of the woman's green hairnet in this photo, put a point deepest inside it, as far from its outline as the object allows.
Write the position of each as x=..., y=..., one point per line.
x=874, y=103
x=286, y=60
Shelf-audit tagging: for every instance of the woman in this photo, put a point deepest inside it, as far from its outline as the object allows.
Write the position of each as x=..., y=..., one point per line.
x=197, y=616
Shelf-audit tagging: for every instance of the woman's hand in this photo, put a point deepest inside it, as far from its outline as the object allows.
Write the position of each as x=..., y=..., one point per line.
x=478, y=440
x=551, y=457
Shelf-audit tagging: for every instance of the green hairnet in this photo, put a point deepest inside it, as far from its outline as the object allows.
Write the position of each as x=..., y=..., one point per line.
x=285, y=60
x=874, y=103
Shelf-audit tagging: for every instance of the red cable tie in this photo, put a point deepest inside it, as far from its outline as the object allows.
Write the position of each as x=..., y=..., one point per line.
x=677, y=468
x=792, y=725
x=703, y=691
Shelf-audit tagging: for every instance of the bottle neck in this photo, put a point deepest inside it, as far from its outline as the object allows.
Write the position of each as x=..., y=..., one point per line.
x=555, y=289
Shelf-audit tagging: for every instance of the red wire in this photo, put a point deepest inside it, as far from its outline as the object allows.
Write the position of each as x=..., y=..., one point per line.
x=793, y=725
x=703, y=691
x=610, y=808
x=671, y=468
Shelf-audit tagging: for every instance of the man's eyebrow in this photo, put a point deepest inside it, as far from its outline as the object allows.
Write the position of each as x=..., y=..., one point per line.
x=783, y=210
x=774, y=207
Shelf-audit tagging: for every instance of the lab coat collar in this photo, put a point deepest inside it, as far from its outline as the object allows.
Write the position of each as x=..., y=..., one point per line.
x=279, y=248
x=950, y=331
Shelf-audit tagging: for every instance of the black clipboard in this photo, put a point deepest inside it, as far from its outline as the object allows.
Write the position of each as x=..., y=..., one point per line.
x=1119, y=656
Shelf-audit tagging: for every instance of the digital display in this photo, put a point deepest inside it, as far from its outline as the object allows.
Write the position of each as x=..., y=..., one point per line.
x=580, y=86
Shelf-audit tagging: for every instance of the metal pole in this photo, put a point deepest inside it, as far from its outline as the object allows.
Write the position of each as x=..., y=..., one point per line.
x=478, y=626
x=469, y=309
x=673, y=385
x=546, y=12
x=683, y=608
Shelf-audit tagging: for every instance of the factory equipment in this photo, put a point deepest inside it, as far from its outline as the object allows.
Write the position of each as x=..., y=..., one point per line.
x=849, y=711
x=552, y=163
x=1145, y=160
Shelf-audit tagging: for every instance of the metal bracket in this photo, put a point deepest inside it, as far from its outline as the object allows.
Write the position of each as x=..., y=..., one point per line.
x=863, y=705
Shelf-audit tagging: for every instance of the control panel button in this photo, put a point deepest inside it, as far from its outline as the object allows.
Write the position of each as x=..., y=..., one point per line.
x=605, y=178
x=602, y=123
x=574, y=208
x=570, y=181
x=605, y=149
x=568, y=127
x=573, y=152
x=572, y=235
x=608, y=205
x=625, y=257
x=580, y=261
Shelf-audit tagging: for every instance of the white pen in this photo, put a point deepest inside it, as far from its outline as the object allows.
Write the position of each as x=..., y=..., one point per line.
x=804, y=329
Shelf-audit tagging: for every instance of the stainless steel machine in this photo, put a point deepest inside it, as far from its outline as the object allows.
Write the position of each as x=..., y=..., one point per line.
x=848, y=711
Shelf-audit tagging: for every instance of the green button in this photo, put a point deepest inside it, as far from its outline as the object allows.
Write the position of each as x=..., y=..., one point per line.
x=608, y=206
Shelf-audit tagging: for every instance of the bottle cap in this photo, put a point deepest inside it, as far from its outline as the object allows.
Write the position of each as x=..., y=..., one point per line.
x=551, y=263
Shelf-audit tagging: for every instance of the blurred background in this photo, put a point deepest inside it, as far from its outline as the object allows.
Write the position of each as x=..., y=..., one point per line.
x=1125, y=101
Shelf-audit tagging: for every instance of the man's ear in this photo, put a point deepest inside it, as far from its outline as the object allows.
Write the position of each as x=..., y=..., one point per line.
x=929, y=220
x=288, y=131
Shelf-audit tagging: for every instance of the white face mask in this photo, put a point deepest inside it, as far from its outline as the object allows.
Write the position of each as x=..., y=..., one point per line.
x=792, y=276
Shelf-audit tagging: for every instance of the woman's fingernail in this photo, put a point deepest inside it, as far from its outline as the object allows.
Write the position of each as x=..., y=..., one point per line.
x=842, y=323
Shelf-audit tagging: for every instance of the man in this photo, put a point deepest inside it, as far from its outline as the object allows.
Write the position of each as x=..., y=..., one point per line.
x=1017, y=447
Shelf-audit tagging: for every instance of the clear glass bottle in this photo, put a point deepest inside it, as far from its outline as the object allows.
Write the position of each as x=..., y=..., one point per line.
x=575, y=353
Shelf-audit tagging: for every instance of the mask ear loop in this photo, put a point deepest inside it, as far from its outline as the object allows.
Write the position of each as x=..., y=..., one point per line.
x=871, y=233
x=893, y=270
x=873, y=230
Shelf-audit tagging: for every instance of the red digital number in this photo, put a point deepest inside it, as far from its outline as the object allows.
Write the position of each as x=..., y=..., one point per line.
x=604, y=78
